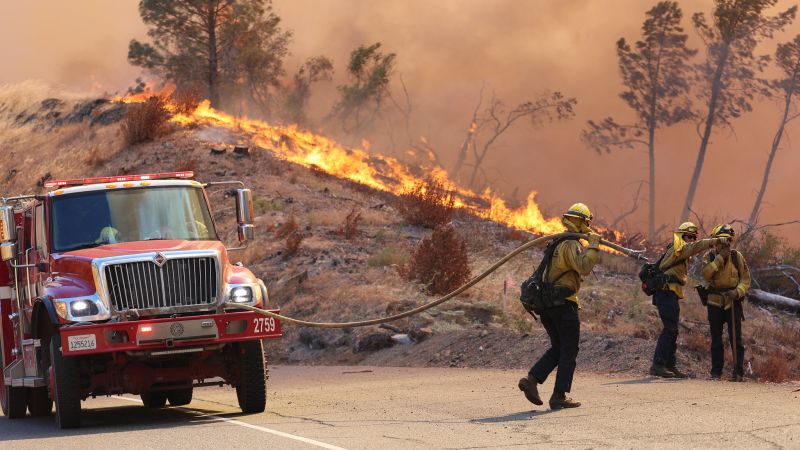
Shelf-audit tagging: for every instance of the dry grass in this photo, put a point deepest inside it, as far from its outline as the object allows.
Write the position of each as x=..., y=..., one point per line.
x=428, y=204
x=697, y=342
x=325, y=217
x=772, y=367
x=145, y=121
x=440, y=261
x=391, y=255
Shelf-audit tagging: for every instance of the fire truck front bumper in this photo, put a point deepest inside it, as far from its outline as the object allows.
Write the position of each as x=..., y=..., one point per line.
x=167, y=336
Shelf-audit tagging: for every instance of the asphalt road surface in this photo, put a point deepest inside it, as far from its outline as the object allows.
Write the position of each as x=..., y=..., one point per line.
x=387, y=408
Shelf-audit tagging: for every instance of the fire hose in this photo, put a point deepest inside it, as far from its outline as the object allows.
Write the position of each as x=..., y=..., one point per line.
x=628, y=252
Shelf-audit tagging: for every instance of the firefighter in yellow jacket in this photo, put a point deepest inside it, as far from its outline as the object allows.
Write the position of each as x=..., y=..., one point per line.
x=569, y=265
x=728, y=279
x=675, y=266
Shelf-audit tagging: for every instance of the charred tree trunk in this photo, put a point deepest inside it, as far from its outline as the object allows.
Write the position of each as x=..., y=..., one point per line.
x=213, y=59
x=716, y=86
x=651, y=152
x=765, y=298
x=776, y=141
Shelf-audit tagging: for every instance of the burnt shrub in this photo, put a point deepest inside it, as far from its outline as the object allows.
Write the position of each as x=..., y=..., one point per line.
x=293, y=241
x=287, y=228
x=427, y=204
x=349, y=228
x=440, y=261
x=186, y=99
x=145, y=121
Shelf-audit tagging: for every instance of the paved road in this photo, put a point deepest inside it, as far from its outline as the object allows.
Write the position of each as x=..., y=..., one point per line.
x=387, y=408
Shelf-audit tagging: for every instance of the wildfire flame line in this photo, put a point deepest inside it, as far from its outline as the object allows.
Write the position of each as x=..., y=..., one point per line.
x=374, y=170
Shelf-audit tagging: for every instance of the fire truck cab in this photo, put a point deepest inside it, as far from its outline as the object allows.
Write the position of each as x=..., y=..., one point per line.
x=121, y=285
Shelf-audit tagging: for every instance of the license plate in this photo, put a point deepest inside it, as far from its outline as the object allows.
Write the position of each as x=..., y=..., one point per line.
x=82, y=342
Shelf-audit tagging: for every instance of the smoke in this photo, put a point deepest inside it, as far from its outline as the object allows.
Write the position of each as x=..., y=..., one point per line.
x=446, y=50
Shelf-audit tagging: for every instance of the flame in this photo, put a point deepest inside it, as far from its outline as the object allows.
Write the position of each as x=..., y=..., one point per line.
x=356, y=164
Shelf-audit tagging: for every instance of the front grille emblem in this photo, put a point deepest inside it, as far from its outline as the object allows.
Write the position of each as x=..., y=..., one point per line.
x=159, y=259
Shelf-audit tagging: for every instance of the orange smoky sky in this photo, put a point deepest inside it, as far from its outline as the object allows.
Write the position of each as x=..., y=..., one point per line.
x=446, y=50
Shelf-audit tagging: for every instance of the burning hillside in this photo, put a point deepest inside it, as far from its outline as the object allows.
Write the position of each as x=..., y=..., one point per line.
x=374, y=170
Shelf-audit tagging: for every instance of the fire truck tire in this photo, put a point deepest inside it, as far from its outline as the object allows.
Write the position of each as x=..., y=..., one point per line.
x=39, y=402
x=180, y=397
x=67, y=395
x=13, y=401
x=154, y=399
x=251, y=390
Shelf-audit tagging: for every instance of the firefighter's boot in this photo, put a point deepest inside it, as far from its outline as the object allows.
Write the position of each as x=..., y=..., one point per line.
x=559, y=400
x=660, y=371
x=677, y=373
x=528, y=387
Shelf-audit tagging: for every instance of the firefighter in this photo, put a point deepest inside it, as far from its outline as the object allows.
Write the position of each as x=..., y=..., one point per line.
x=569, y=264
x=675, y=266
x=728, y=279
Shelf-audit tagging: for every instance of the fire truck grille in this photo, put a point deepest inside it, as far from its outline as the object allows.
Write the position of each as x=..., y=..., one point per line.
x=178, y=282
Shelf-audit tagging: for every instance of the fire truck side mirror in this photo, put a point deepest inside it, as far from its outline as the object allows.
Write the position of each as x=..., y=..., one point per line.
x=8, y=228
x=244, y=214
x=8, y=251
x=8, y=233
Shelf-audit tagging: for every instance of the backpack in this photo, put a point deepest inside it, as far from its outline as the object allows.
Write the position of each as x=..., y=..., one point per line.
x=653, y=278
x=536, y=294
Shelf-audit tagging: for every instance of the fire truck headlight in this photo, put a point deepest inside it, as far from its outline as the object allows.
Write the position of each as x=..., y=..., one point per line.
x=242, y=294
x=83, y=308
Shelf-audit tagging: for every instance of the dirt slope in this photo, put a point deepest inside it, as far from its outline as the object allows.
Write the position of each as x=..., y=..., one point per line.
x=333, y=278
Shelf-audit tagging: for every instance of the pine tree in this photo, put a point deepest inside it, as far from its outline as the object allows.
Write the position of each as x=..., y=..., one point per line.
x=656, y=72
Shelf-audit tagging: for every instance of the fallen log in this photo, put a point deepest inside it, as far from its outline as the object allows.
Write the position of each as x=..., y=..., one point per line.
x=761, y=297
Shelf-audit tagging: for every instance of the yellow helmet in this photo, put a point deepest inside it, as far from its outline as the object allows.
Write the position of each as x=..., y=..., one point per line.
x=580, y=211
x=723, y=230
x=687, y=228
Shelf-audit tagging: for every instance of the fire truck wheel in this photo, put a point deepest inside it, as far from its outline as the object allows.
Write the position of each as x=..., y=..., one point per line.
x=251, y=390
x=39, y=402
x=67, y=395
x=154, y=399
x=12, y=400
x=180, y=397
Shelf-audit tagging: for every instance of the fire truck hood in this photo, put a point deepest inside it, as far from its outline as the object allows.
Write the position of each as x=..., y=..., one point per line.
x=133, y=248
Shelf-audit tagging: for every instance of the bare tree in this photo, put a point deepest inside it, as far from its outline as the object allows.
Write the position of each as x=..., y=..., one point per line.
x=496, y=120
x=472, y=129
x=656, y=73
x=788, y=59
x=730, y=73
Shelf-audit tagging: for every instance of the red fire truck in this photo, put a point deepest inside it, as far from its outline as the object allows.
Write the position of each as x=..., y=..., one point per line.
x=121, y=285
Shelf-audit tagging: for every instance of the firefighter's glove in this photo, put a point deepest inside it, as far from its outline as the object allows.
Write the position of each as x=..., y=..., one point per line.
x=731, y=295
x=594, y=240
x=722, y=240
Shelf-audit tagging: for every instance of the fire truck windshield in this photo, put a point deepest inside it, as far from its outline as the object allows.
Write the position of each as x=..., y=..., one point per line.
x=94, y=218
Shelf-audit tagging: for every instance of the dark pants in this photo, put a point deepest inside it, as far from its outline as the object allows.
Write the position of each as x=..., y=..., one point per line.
x=717, y=317
x=563, y=325
x=669, y=311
